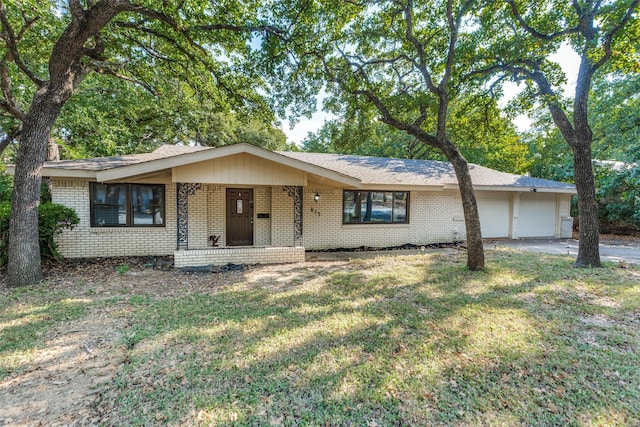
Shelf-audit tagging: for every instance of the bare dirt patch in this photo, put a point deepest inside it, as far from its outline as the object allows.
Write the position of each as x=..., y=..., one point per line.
x=60, y=386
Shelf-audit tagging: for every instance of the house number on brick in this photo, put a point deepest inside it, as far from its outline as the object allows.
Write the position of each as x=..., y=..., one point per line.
x=315, y=211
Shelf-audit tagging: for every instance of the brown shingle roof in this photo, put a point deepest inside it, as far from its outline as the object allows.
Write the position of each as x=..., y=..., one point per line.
x=104, y=163
x=381, y=171
x=369, y=170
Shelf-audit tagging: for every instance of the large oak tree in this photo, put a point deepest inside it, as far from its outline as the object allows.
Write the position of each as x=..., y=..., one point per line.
x=48, y=48
x=520, y=37
x=400, y=62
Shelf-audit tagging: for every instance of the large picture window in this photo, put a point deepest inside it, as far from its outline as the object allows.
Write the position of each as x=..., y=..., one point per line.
x=365, y=207
x=127, y=205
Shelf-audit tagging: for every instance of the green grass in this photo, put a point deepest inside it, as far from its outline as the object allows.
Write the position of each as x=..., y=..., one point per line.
x=416, y=340
x=26, y=315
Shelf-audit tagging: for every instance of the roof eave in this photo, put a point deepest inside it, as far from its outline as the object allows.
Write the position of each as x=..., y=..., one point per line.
x=59, y=172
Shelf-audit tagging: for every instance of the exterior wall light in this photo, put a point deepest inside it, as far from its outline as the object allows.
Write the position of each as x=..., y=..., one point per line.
x=316, y=197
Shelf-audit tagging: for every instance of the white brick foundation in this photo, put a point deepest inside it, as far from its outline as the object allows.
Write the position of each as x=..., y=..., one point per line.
x=222, y=256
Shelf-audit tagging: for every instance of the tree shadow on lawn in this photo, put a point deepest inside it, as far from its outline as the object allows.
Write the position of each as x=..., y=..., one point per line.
x=381, y=346
x=24, y=325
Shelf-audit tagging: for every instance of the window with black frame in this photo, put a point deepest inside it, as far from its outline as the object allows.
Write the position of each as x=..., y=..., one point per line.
x=382, y=207
x=127, y=205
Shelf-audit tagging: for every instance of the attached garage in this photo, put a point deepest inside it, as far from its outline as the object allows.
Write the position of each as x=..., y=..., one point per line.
x=494, y=209
x=538, y=214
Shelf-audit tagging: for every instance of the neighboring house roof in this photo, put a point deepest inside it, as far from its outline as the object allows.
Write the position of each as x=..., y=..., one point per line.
x=614, y=165
x=348, y=170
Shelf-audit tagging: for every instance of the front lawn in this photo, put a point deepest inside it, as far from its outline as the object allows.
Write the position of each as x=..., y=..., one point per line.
x=410, y=340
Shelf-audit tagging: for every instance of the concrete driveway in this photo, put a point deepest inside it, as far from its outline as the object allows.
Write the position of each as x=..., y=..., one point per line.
x=616, y=251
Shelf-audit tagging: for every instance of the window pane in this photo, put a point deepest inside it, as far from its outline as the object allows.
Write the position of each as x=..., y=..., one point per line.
x=374, y=206
x=148, y=204
x=109, y=204
x=400, y=207
x=380, y=206
x=350, y=214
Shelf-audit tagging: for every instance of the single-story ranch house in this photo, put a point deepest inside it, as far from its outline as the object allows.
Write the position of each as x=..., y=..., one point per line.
x=245, y=204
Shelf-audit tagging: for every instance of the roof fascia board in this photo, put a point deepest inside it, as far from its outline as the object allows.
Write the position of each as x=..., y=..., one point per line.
x=68, y=173
x=59, y=173
x=531, y=189
x=515, y=189
x=216, y=153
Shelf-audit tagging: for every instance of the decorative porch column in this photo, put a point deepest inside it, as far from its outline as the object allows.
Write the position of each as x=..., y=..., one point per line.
x=296, y=193
x=183, y=191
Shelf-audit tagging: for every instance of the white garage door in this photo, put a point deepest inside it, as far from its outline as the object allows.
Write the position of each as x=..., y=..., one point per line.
x=537, y=215
x=494, y=214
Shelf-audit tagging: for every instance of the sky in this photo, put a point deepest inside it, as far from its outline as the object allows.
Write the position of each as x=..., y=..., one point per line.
x=566, y=57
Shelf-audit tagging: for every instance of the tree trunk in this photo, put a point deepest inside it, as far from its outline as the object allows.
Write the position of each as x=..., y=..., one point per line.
x=475, y=248
x=589, y=238
x=24, y=267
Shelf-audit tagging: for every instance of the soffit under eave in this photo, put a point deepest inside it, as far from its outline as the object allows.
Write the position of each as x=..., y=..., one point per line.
x=314, y=180
x=159, y=177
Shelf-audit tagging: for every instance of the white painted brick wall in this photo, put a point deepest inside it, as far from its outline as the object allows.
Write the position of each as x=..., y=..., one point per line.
x=281, y=218
x=430, y=221
x=433, y=217
x=85, y=241
x=216, y=212
x=262, y=226
x=198, y=210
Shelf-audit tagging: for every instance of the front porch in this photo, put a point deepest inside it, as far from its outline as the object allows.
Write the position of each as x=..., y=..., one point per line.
x=217, y=225
x=238, y=255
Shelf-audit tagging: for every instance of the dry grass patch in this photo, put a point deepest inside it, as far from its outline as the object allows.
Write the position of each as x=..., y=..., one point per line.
x=410, y=340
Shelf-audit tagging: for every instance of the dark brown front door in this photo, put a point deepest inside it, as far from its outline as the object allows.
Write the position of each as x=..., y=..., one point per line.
x=239, y=216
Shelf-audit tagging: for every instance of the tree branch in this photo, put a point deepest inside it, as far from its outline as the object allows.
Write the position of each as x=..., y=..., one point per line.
x=386, y=115
x=609, y=37
x=9, y=104
x=9, y=137
x=190, y=55
x=422, y=57
x=11, y=40
x=535, y=33
x=76, y=10
x=103, y=68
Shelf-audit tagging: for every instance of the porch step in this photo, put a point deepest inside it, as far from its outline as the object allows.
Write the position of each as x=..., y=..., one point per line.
x=245, y=255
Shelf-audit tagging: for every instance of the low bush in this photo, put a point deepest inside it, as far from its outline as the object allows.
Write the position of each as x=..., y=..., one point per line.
x=52, y=219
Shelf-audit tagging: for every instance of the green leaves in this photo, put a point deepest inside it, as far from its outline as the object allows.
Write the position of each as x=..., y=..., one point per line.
x=160, y=70
x=52, y=220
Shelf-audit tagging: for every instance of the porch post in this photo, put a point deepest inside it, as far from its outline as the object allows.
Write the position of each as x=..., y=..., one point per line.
x=183, y=191
x=296, y=192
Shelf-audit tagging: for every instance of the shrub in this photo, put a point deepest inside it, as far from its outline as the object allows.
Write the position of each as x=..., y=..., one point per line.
x=52, y=219
x=6, y=185
x=619, y=196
